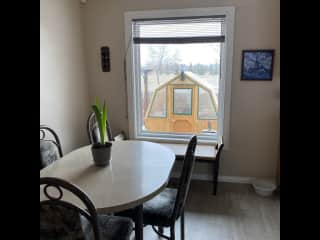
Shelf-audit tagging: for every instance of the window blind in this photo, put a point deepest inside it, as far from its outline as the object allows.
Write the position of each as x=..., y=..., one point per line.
x=179, y=30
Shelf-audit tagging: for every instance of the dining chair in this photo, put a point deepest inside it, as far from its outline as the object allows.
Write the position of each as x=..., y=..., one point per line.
x=60, y=219
x=93, y=129
x=216, y=164
x=164, y=209
x=50, y=146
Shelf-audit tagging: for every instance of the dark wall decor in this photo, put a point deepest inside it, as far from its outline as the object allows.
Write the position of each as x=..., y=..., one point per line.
x=257, y=64
x=105, y=59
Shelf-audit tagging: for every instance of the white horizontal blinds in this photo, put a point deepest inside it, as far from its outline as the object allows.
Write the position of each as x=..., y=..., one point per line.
x=202, y=29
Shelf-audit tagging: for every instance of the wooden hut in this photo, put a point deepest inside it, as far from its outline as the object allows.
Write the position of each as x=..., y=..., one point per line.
x=183, y=104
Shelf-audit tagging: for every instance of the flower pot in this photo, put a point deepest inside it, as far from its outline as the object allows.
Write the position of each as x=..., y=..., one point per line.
x=101, y=153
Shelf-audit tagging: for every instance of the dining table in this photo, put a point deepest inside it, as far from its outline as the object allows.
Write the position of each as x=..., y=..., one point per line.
x=138, y=171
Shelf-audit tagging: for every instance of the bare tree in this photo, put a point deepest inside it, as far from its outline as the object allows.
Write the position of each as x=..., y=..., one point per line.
x=146, y=93
x=174, y=61
x=161, y=59
x=157, y=57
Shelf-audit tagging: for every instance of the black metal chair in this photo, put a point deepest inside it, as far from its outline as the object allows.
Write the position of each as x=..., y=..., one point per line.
x=164, y=209
x=60, y=219
x=50, y=146
x=93, y=129
x=216, y=164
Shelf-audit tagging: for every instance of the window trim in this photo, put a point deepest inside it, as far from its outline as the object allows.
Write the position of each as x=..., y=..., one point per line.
x=224, y=82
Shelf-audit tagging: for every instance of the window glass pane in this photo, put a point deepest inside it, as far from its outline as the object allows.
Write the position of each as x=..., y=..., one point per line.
x=161, y=62
x=206, y=108
x=182, y=101
x=162, y=65
x=159, y=104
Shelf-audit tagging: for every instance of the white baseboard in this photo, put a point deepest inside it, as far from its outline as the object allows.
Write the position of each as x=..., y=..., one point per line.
x=207, y=177
x=235, y=179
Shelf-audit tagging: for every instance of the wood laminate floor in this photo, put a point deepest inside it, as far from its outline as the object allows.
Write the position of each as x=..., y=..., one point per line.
x=236, y=213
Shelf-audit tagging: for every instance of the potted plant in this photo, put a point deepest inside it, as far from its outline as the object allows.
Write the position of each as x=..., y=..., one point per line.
x=101, y=151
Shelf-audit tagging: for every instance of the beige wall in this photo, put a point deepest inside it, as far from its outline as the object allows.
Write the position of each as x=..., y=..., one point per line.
x=254, y=130
x=63, y=85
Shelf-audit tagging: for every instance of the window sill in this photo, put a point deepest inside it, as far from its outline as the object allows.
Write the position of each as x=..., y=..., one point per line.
x=171, y=140
x=203, y=152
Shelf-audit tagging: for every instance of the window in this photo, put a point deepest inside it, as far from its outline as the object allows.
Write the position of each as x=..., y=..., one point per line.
x=182, y=101
x=158, y=108
x=206, y=107
x=178, y=66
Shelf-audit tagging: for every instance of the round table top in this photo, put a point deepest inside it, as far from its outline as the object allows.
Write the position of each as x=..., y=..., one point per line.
x=137, y=172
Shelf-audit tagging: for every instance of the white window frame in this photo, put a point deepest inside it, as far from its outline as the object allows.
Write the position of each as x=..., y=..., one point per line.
x=133, y=85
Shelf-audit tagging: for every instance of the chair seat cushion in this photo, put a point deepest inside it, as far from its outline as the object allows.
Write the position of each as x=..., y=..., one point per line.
x=60, y=222
x=65, y=223
x=48, y=153
x=114, y=227
x=158, y=211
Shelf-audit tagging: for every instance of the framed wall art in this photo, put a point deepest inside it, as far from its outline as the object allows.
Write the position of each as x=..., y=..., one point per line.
x=257, y=64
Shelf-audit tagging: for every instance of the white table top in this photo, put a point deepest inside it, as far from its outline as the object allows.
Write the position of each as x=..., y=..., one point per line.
x=137, y=172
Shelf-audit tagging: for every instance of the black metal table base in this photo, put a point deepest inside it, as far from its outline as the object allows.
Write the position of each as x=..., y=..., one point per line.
x=138, y=223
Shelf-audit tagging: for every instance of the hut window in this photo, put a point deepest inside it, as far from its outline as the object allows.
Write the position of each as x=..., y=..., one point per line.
x=206, y=108
x=182, y=101
x=159, y=104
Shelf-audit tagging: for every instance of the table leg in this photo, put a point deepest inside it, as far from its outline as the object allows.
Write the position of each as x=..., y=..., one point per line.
x=138, y=223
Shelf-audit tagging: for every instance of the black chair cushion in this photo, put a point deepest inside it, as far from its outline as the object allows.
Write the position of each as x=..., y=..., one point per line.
x=48, y=153
x=158, y=211
x=60, y=222
x=114, y=227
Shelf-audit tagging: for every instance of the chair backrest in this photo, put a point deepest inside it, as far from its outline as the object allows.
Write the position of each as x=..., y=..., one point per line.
x=219, y=148
x=60, y=219
x=185, y=178
x=50, y=146
x=93, y=129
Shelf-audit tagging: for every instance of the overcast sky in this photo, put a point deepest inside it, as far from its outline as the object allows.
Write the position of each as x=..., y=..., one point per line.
x=204, y=53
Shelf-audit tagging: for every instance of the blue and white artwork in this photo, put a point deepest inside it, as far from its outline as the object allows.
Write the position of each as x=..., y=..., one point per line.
x=257, y=64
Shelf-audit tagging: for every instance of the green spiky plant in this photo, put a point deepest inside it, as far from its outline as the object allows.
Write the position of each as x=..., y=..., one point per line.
x=101, y=117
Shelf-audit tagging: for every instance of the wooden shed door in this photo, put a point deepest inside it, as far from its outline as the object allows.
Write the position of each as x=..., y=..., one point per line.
x=182, y=108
